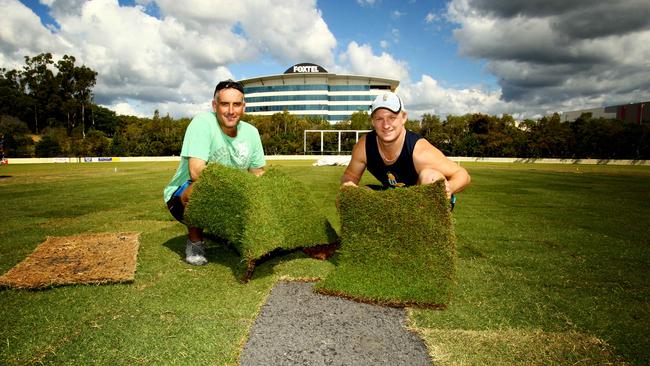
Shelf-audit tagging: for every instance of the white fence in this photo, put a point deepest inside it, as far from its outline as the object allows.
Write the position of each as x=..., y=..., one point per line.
x=316, y=157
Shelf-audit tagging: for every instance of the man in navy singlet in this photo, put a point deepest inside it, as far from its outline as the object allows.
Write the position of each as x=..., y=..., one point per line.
x=398, y=157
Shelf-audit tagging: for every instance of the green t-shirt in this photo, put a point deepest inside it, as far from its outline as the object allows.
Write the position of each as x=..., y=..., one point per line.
x=205, y=140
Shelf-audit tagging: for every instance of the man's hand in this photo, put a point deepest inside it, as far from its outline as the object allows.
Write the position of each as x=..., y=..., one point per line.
x=258, y=172
x=349, y=184
x=448, y=189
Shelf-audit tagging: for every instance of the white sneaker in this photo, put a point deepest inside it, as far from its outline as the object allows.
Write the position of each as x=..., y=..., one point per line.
x=195, y=253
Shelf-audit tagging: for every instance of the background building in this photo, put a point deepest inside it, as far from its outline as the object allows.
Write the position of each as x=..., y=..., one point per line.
x=633, y=112
x=308, y=90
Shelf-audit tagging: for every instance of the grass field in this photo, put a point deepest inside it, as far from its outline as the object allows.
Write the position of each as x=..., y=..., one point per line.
x=553, y=269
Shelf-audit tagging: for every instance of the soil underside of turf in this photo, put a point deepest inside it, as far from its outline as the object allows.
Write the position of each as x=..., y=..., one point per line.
x=299, y=327
x=82, y=259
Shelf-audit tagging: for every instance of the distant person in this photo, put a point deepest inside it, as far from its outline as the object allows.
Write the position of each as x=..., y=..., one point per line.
x=213, y=137
x=398, y=157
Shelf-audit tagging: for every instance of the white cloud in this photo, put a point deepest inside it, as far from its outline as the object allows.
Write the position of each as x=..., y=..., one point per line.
x=547, y=55
x=366, y=2
x=173, y=61
x=22, y=34
x=425, y=95
x=198, y=14
x=292, y=30
x=396, y=14
x=360, y=59
x=395, y=34
x=430, y=18
x=126, y=109
x=428, y=96
x=569, y=55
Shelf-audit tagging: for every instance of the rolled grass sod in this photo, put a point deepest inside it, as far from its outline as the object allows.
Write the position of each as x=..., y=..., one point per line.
x=257, y=215
x=398, y=247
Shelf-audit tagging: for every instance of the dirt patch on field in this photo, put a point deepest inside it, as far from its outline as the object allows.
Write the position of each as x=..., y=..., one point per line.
x=83, y=259
x=297, y=326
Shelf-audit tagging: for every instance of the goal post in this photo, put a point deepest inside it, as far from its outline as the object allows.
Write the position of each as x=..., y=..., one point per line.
x=322, y=139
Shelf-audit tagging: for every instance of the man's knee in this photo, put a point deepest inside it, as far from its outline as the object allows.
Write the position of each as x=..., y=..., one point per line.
x=178, y=202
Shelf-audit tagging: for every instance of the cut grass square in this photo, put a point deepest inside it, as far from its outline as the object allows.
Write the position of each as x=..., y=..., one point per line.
x=398, y=247
x=82, y=259
x=257, y=215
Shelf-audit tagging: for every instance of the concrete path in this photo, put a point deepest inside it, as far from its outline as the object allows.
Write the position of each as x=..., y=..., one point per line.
x=299, y=327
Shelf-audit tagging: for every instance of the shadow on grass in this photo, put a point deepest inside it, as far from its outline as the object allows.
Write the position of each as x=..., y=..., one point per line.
x=221, y=252
x=218, y=252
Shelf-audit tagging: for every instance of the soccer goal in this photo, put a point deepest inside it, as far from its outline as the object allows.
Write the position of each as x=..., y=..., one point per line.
x=338, y=133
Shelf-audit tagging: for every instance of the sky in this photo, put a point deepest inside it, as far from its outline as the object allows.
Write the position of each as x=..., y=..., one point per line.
x=524, y=58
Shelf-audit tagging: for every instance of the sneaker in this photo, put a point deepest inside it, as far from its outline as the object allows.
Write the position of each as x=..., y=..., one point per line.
x=195, y=253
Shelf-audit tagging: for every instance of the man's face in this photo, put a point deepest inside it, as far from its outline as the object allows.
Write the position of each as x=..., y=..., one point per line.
x=229, y=106
x=387, y=124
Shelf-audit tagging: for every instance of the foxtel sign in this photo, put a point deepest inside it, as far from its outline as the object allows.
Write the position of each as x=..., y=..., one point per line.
x=304, y=68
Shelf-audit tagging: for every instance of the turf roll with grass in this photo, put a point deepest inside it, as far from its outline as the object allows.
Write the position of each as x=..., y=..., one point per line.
x=257, y=215
x=397, y=247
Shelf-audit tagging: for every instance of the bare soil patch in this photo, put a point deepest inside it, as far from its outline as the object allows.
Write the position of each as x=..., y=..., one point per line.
x=297, y=326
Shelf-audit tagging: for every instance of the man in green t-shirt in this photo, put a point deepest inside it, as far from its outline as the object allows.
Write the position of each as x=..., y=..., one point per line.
x=213, y=137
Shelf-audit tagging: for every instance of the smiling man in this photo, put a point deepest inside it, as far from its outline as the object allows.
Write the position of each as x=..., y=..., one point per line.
x=213, y=137
x=398, y=157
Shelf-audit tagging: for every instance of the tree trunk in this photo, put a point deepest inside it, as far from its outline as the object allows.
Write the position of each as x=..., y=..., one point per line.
x=83, y=122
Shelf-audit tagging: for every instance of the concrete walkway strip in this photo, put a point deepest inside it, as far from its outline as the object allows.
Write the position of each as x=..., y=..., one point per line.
x=299, y=327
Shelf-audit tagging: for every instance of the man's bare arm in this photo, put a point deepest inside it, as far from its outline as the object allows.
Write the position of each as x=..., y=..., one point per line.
x=357, y=165
x=428, y=156
x=196, y=166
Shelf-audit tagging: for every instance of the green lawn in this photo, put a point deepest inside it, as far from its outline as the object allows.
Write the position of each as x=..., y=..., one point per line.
x=553, y=269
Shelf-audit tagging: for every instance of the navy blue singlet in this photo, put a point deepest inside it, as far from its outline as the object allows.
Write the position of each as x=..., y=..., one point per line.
x=401, y=173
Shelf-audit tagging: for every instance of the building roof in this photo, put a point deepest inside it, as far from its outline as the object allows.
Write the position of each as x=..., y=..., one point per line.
x=300, y=72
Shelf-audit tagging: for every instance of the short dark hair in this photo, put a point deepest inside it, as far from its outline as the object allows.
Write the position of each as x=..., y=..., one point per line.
x=228, y=84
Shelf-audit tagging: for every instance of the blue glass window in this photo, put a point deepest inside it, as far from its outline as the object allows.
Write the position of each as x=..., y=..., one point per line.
x=344, y=98
x=274, y=88
x=349, y=87
x=284, y=98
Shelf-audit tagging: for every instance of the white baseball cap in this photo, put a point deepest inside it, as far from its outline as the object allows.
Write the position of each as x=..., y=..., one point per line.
x=387, y=100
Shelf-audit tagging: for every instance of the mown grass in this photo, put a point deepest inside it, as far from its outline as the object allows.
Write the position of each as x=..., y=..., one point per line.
x=553, y=269
x=257, y=215
x=397, y=247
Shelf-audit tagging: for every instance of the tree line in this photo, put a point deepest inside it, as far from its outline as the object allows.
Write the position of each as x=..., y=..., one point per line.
x=47, y=110
x=478, y=135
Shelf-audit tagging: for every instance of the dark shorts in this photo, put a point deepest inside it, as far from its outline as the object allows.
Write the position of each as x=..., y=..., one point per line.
x=175, y=205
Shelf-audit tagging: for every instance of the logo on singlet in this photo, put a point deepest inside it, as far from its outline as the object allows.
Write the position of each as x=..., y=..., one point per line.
x=392, y=181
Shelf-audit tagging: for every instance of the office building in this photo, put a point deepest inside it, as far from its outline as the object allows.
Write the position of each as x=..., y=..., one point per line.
x=308, y=90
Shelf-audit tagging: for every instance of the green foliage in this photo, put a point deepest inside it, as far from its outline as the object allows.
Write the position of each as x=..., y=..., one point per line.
x=257, y=214
x=47, y=99
x=360, y=120
x=398, y=247
x=105, y=120
x=16, y=141
x=95, y=144
x=119, y=145
x=432, y=129
x=48, y=147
